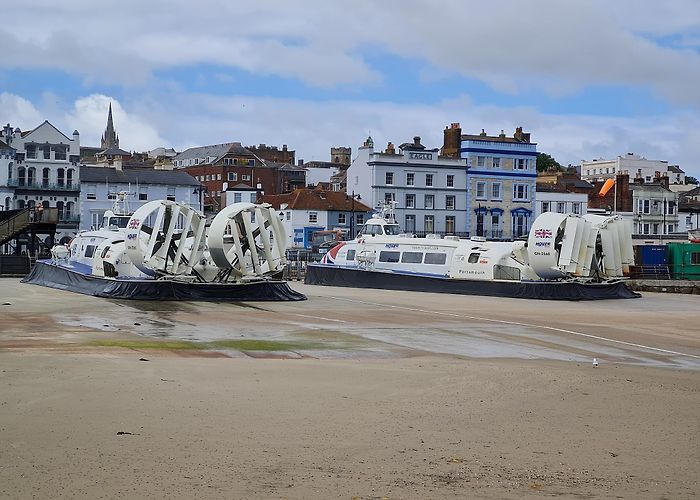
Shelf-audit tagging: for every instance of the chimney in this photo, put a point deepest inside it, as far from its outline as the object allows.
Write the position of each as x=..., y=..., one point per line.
x=502, y=135
x=452, y=141
x=483, y=133
x=300, y=162
x=518, y=135
x=390, y=150
x=416, y=140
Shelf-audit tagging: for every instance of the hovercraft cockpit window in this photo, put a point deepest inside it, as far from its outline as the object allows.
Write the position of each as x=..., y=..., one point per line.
x=473, y=258
x=392, y=229
x=89, y=251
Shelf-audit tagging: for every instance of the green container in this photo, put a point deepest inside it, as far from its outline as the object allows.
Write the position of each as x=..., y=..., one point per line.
x=684, y=261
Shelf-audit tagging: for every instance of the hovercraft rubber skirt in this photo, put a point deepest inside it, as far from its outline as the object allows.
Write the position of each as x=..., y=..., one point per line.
x=47, y=274
x=317, y=274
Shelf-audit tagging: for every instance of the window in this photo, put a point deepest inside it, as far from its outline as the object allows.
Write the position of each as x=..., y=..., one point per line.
x=450, y=224
x=208, y=177
x=473, y=258
x=31, y=152
x=450, y=181
x=289, y=215
x=218, y=177
x=59, y=152
x=481, y=161
x=410, y=225
x=435, y=258
x=428, y=179
x=143, y=193
x=251, y=163
x=695, y=257
x=646, y=228
x=410, y=201
x=351, y=255
x=519, y=225
x=561, y=207
x=91, y=192
x=389, y=177
x=450, y=202
x=253, y=197
x=429, y=201
x=412, y=257
x=496, y=191
x=646, y=206
x=429, y=224
x=520, y=192
x=496, y=163
x=576, y=208
x=655, y=228
x=410, y=179
x=341, y=218
x=237, y=197
x=670, y=229
x=245, y=177
x=389, y=197
x=232, y=176
x=480, y=190
x=47, y=152
x=520, y=164
x=360, y=218
x=387, y=256
x=112, y=196
x=171, y=194
x=313, y=217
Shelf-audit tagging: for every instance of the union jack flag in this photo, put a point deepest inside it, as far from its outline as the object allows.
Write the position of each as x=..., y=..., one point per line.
x=543, y=233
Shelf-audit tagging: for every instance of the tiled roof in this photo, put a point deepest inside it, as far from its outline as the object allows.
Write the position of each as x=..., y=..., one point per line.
x=214, y=151
x=134, y=175
x=316, y=199
x=114, y=152
x=675, y=169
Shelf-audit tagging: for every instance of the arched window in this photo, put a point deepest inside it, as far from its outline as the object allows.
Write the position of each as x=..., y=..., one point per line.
x=69, y=210
x=31, y=176
x=59, y=206
x=45, y=177
x=61, y=177
x=69, y=178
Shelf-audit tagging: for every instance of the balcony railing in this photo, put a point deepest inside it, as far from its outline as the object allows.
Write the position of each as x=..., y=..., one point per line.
x=43, y=185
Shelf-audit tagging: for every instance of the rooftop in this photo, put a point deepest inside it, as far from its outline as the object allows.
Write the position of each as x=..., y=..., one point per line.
x=137, y=175
x=316, y=199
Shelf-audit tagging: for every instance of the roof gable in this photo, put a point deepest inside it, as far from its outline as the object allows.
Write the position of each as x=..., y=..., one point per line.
x=49, y=131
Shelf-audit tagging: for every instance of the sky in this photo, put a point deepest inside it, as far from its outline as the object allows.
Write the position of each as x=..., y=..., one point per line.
x=588, y=79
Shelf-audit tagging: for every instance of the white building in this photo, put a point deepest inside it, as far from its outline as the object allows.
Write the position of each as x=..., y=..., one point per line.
x=429, y=190
x=635, y=165
x=550, y=199
x=655, y=209
x=44, y=172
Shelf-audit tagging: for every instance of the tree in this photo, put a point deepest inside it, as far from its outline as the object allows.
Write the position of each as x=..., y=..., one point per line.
x=689, y=179
x=546, y=162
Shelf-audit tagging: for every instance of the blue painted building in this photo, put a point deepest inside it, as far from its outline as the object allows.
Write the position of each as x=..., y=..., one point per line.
x=501, y=181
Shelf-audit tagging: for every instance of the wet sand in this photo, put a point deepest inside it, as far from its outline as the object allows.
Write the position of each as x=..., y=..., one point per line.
x=505, y=403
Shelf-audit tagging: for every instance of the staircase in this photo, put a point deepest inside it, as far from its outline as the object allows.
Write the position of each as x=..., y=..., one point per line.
x=12, y=223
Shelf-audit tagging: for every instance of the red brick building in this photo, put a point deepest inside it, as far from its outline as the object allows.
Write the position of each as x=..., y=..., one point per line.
x=222, y=165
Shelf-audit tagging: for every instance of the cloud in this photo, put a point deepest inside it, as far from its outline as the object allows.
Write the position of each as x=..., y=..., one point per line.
x=184, y=120
x=550, y=45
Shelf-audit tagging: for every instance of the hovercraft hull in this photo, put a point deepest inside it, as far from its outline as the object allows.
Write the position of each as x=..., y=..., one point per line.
x=331, y=275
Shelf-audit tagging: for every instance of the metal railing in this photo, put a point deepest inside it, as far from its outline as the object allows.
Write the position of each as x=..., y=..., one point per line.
x=65, y=186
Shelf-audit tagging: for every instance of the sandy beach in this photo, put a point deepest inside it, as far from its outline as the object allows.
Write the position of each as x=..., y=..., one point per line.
x=357, y=394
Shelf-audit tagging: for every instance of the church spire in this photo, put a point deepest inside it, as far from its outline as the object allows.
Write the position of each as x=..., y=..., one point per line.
x=110, y=139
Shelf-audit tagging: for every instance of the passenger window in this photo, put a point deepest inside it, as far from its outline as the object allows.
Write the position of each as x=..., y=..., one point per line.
x=89, y=250
x=473, y=258
x=435, y=258
x=351, y=255
x=104, y=252
x=412, y=257
x=385, y=256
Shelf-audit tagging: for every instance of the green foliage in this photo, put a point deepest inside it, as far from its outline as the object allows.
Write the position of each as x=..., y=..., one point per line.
x=546, y=162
